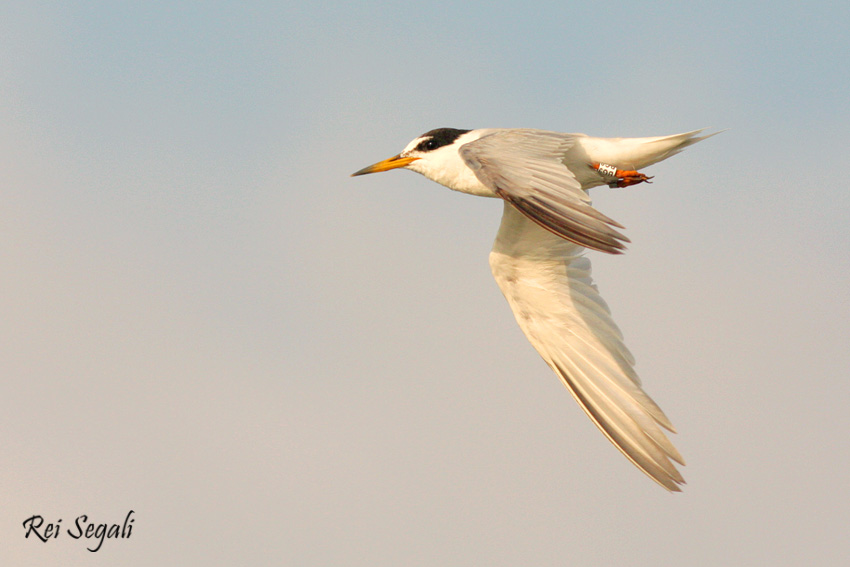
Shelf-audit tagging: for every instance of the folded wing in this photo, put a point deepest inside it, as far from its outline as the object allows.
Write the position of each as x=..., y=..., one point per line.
x=526, y=169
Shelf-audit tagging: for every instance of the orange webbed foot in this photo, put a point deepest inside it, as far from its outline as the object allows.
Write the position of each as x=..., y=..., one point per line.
x=620, y=177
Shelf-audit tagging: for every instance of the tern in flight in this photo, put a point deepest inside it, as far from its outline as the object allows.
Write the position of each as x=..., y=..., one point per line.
x=538, y=262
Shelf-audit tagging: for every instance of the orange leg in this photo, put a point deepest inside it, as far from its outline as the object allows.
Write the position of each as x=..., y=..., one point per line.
x=621, y=177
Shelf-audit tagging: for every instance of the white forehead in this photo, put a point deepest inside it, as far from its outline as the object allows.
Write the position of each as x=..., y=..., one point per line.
x=413, y=143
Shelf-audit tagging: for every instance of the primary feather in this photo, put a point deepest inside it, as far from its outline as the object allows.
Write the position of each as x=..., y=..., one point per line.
x=547, y=283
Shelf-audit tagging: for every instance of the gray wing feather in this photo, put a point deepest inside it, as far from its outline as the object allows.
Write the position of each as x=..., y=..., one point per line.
x=548, y=285
x=526, y=169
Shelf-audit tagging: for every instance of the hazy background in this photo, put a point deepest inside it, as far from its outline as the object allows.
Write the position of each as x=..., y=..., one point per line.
x=205, y=320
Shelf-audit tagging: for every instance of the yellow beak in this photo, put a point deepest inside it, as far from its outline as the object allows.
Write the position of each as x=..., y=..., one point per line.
x=386, y=165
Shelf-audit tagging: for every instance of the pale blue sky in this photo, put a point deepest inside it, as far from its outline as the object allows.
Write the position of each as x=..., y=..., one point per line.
x=205, y=320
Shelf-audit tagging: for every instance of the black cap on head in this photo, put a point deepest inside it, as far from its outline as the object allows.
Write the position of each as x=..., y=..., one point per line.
x=438, y=138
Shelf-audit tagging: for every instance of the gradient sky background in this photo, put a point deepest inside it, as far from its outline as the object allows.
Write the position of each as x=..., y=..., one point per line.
x=205, y=320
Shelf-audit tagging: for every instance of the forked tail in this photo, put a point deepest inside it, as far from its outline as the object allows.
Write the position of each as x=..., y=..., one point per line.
x=653, y=150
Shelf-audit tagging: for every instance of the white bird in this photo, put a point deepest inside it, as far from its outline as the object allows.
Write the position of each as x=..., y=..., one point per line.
x=538, y=261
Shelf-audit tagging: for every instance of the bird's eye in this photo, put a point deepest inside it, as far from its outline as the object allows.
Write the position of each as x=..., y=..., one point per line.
x=428, y=145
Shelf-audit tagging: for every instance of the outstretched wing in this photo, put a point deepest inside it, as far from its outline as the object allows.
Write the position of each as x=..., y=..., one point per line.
x=526, y=169
x=547, y=283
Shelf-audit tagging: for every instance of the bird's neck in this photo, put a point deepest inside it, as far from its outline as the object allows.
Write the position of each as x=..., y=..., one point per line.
x=453, y=173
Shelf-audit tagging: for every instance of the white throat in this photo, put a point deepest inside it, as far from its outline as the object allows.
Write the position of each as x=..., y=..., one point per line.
x=446, y=167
